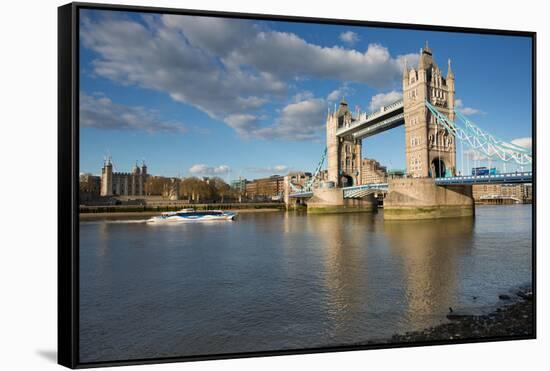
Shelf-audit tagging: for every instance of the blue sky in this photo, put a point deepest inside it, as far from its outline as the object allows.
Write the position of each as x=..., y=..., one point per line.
x=210, y=96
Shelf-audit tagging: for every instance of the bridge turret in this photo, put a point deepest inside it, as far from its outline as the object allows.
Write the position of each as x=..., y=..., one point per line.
x=430, y=151
x=343, y=153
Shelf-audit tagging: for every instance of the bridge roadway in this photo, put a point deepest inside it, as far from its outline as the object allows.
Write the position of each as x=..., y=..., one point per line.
x=366, y=125
x=504, y=178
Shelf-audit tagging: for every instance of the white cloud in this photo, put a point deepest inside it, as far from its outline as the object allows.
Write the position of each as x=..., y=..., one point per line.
x=349, y=37
x=231, y=69
x=340, y=93
x=98, y=111
x=374, y=66
x=526, y=142
x=459, y=106
x=244, y=124
x=158, y=56
x=302, y=120
x=277, y=169
x=298, y=121
x=304, y=95
x=202, y=169
x=383, y=99
x=334, y=95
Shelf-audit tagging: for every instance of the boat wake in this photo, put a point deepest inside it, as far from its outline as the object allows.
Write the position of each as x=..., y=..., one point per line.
x=107, y=221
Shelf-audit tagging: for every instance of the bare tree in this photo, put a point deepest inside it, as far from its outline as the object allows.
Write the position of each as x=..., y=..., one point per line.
x=221, y=188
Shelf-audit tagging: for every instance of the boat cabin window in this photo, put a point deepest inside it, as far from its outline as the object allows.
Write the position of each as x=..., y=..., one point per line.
x=201, y=213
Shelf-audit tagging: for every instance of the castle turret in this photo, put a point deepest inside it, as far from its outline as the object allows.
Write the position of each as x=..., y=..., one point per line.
x=107, y=178
x=136, y=170
x=143, y=168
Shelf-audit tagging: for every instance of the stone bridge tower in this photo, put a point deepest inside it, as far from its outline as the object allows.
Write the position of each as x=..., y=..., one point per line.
x=343, y=154
x=430, y=149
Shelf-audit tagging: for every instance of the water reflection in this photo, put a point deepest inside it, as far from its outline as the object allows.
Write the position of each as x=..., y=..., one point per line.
x=343, y=271
x=429, y=252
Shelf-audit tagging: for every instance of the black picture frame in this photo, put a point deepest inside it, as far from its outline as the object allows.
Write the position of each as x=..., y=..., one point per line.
x=68, y=172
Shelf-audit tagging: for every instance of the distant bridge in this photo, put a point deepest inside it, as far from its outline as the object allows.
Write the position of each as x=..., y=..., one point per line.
x=500, y=198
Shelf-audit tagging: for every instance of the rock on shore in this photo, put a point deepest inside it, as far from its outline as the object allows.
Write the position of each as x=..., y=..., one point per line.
x=514, y=318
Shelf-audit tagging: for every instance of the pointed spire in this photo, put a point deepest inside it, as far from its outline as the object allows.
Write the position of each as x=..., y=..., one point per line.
x=405, y=70
x=342, y=108
x=450, y=74
x=427, y=49
x=421, y=65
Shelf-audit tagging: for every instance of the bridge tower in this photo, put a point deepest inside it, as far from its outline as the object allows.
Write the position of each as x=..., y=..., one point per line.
x=430, y=149
x=343, y=154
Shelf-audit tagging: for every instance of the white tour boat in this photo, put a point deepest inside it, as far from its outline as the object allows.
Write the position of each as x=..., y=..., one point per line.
x=192, y=215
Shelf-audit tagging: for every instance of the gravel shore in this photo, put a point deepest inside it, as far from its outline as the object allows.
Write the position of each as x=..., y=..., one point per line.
x=513, y=318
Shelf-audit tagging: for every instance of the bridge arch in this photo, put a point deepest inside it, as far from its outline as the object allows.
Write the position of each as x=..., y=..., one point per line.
x=347, y=180
x=438, y=167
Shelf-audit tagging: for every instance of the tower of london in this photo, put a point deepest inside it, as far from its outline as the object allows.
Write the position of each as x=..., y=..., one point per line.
x=123, y=184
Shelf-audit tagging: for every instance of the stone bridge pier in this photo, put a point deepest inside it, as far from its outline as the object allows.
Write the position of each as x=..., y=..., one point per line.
x=421, y=198
x=331, y=200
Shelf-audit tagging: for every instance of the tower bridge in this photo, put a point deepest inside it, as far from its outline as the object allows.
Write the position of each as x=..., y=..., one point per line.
x=432, y=187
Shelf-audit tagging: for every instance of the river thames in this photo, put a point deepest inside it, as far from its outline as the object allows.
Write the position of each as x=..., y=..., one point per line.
x=277, y=280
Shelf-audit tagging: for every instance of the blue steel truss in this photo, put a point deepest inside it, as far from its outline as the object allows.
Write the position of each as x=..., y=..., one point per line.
x=309, y=185
x=481, y=141
x=364, y=189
